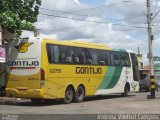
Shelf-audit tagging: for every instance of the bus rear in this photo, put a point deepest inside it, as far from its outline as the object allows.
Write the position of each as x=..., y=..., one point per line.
x=24, y=73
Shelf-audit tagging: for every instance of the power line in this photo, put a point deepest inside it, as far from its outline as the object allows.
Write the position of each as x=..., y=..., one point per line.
x=87, y=20
x=69, y=12
x=138, y=7
x=75, y=12
x=155, y=15
x=66, y=28
x=126, y=1
x=116, y=20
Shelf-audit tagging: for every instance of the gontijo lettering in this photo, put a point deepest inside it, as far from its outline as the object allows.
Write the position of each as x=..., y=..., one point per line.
x=23, y=63
x=88, y=70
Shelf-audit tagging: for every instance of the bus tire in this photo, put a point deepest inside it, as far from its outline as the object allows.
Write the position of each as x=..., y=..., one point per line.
x=69, y=93
x=126, y=90
x=80, y=94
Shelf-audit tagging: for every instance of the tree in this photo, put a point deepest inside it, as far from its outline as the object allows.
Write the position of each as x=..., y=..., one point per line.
x=17, y=15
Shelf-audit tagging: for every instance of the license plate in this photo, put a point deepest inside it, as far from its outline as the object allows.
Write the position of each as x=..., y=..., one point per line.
x=22, y=90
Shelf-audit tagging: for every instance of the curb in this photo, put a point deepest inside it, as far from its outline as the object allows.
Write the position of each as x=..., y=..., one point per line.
x=7, y=99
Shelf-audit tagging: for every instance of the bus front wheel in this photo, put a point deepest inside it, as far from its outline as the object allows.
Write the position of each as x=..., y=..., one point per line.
x=79, y=95
x=126, y=90
x=68, y=95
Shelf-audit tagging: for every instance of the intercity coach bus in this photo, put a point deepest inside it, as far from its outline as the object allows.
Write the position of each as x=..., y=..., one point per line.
x=41, y=69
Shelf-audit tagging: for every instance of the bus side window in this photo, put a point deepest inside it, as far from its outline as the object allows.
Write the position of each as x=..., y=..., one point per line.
x=88, y=57
x=65, y=54
x=62, y=57
x=115, y=59
x=89, y=61
x=78, y=55
x=103, y=57
x=125, y=59
x=76, y=59
x=102, y=62
x=50, y=53
x=68, y=59
x=93, y=54
x=56, y=54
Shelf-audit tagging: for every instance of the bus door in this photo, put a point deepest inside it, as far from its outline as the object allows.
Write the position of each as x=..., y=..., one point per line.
x=136, y=75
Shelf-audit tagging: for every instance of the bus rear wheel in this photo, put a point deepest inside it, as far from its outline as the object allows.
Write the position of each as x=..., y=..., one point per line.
x=79, y=95
x=68, y=95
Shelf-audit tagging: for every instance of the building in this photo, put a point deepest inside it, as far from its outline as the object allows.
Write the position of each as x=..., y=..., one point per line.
x=4, y=36
x=156, y=67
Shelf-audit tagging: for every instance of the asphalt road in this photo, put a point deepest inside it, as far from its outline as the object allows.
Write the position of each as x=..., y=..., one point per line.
x=135, y=103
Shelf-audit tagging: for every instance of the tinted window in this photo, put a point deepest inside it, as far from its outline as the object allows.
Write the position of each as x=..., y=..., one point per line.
x=124, y=57
x=115, y=58
x=93, y=54
x=56, y=54
x=102, y=57
x=96, y=57
x=65, y=55
x=78, y=55
x=88, y=57
x=50, y=53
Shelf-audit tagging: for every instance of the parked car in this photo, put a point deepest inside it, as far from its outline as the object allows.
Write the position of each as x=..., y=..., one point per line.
x=144, y=83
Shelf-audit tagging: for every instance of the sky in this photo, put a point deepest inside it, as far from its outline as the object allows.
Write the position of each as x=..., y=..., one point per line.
x=115, y=23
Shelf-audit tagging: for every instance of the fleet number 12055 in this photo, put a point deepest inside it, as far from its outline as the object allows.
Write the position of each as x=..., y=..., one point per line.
x=55, y=70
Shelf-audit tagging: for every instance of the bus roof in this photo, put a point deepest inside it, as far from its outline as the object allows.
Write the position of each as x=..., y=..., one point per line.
x=78, y=43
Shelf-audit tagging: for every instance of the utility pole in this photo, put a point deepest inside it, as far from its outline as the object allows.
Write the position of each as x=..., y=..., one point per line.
x=138, y=51
x=150, y=53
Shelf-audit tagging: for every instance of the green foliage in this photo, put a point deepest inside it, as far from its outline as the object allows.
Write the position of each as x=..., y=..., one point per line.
x=17, y=15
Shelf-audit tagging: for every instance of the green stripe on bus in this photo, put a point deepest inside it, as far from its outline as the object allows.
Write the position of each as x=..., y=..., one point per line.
x=115, y=78
x=107, y=78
